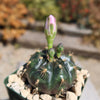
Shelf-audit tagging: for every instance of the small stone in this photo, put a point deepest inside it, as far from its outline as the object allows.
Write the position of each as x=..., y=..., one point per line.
x=81, y=75
x=19, y=81
x=21, y=68
x=71, y=96
x=77, y=88
x=15, y=87
x=30, y=97
x=36, y=97
x=15, y=79
x=21, y=88
x=80, y=79
x=12, y=78
x=84, y=72
x=88, y=75
x=24, y=93
x=46, y=97
x=21, y=71
x=56, y=98
x=9, y=84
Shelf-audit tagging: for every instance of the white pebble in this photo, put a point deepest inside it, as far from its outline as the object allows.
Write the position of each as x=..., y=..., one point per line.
x=36, y=97
x=24, y=93
x=57, y=99
x=77, y=88
x=15, y=87
x=21, y=68
x=30, y=97
x=19, y=81
x=84, y=72
x=80, y=79
x=81, y=75
x=21, y=88
x=46, y=97
x=88, y=75
x=21, y=71
x=12, y=78
x=9, y=84
x=71, y=96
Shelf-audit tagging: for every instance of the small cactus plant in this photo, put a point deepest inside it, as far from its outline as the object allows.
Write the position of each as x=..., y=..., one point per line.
x=50, y=71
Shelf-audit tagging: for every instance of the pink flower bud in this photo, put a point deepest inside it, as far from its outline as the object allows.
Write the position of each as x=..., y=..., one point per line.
x=50, y=30
x=50, y=25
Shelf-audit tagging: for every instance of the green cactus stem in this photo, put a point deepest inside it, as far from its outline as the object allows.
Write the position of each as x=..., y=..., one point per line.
x=50, y=39
x=59, y=49
x=51, y=53
x=50, y=32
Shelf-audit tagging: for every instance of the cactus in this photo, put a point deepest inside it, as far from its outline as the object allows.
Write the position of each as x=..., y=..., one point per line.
x=50, y=71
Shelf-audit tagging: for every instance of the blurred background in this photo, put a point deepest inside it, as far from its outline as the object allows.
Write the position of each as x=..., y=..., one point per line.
x=22, y=32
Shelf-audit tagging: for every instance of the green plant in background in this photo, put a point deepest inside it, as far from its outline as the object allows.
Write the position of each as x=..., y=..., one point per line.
x=68, y=8
x=74, y=10
x=40, y=9
x=83, y=14
x=63, y=10
x=50, y=71
x=94, y=20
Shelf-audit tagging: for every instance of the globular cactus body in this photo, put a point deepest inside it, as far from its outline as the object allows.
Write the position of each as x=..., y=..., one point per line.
x=50, y=77
x=48, y=71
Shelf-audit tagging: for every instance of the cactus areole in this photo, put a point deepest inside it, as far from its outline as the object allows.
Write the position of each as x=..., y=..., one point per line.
x=50, y=70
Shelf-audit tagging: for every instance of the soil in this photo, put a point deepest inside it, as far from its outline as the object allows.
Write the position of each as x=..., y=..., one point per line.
x=11, y=56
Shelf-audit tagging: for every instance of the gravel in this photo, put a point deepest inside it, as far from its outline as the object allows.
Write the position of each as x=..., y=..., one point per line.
x=10, y=57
